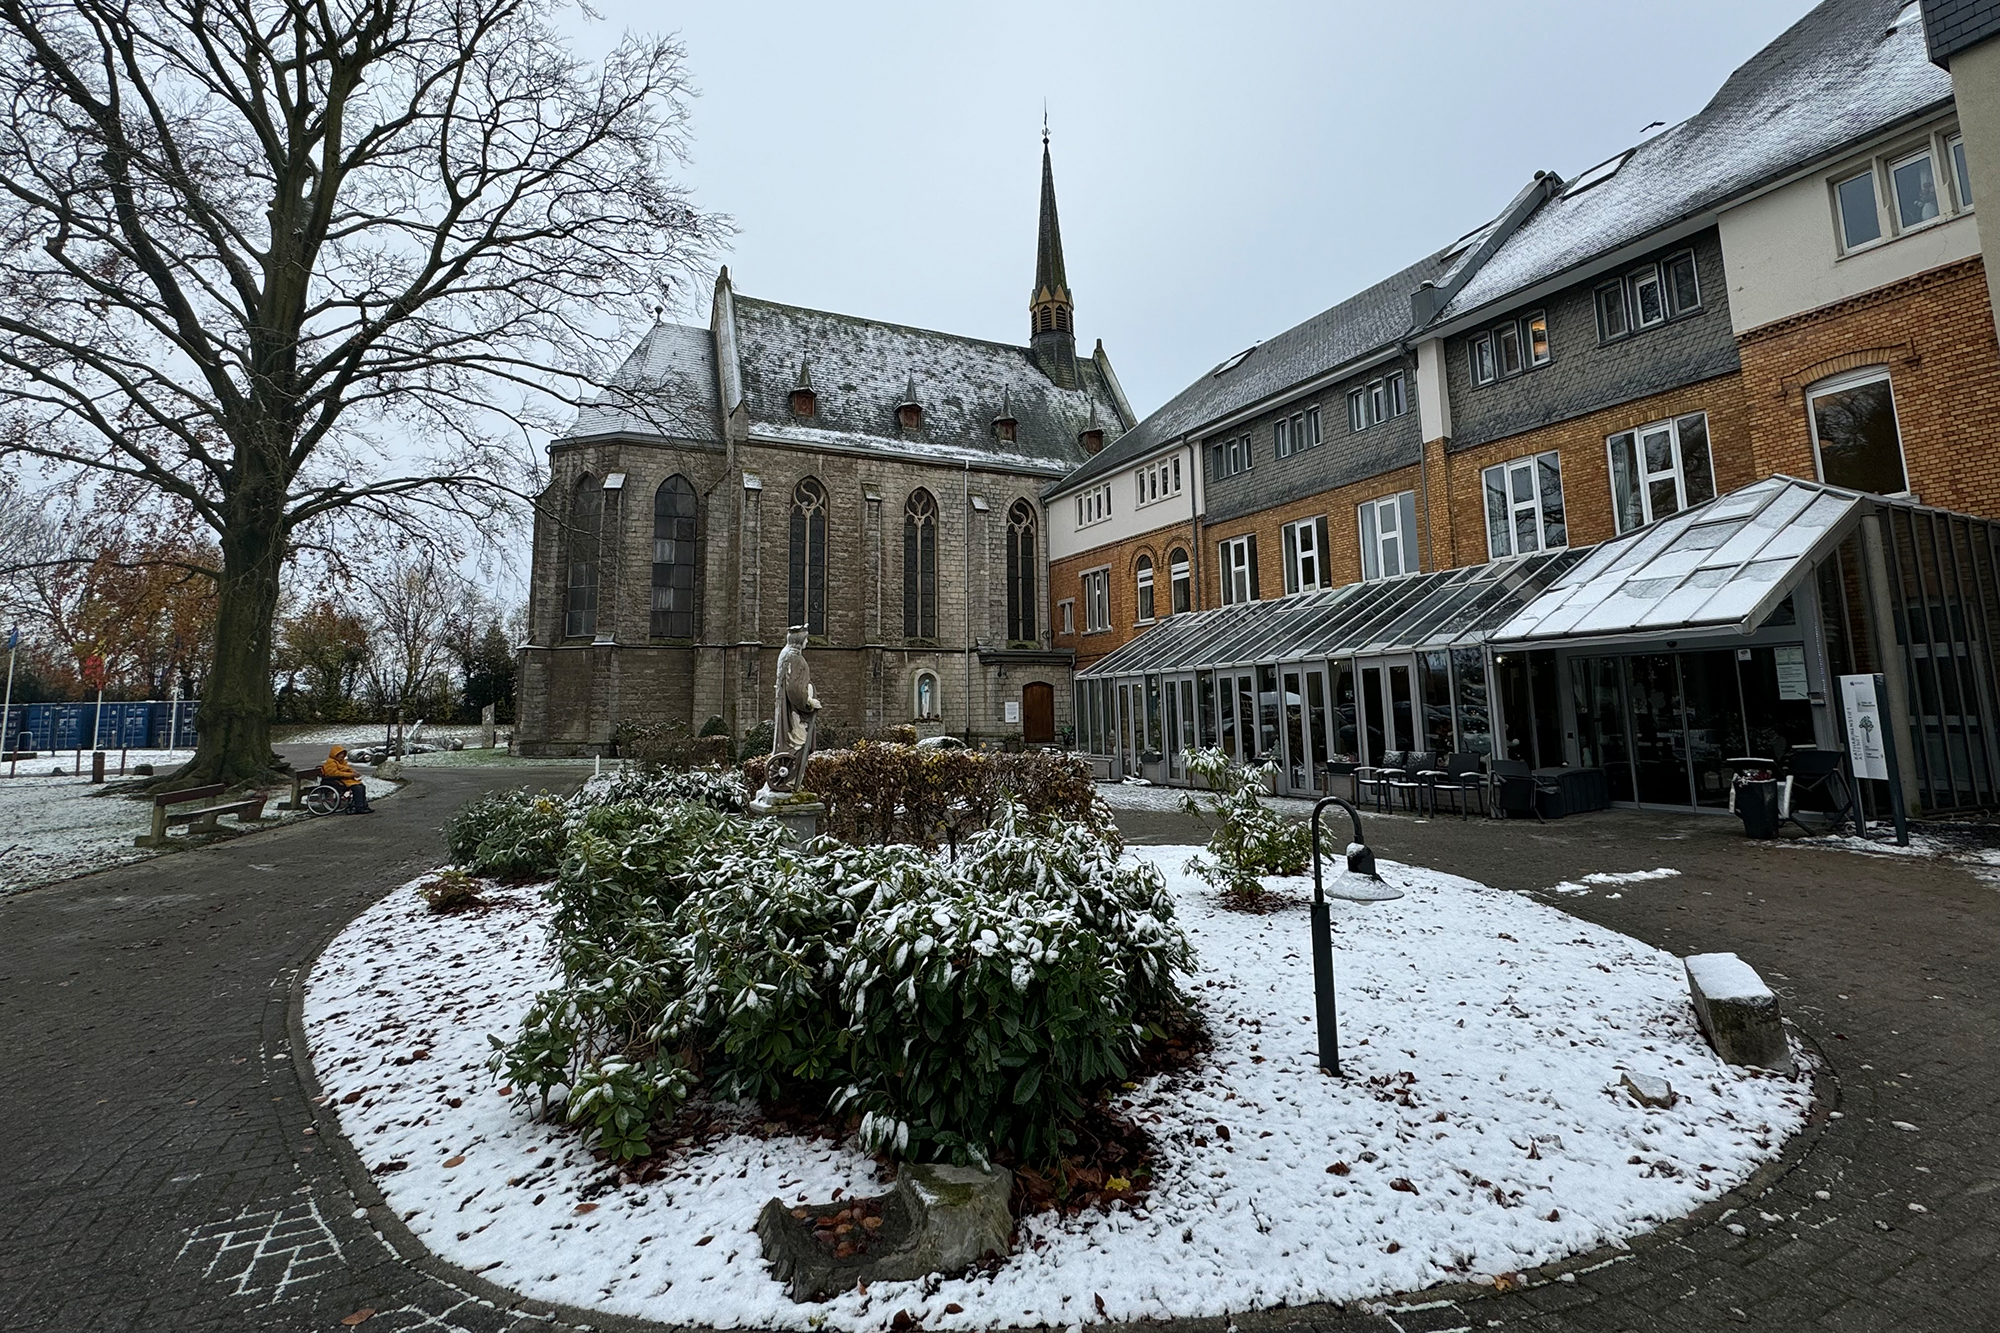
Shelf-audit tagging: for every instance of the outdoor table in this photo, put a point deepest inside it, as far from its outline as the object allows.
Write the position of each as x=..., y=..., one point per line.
x=1577, y=790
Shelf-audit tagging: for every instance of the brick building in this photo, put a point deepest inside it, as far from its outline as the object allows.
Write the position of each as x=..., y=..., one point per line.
x=877, y=483
x=1791, y=282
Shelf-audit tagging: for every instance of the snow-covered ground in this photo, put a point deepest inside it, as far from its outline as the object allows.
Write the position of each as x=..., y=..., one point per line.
x=55, y=828
x=357, y=734
x=1478, y=1129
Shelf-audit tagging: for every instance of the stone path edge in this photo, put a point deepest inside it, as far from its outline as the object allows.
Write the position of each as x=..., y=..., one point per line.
x=327, y=1130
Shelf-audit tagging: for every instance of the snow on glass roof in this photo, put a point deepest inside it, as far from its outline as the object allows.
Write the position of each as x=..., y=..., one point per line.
x=1724, y=565
x=1418, y=612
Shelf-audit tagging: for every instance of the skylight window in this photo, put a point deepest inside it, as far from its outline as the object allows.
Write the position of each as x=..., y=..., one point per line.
x=1597, y=175
x=1235, y=361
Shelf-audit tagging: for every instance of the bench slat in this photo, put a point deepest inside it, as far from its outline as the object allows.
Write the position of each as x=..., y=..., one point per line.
x=191, y=794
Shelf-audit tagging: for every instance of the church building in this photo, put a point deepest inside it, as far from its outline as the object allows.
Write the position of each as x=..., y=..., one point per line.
x=876, y=483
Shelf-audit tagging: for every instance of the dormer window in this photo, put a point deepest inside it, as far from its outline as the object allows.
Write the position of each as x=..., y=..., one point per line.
x=1092, y=439
x=909, y=412
x=1005, y=426
x=804, y=403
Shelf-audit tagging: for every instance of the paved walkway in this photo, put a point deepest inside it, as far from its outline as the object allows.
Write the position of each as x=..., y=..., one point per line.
x=160, y=1165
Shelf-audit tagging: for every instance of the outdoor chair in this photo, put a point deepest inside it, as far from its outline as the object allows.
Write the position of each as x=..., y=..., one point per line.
x=1371, y=782
x=1818, y=776
x=1419, y=768
x=1521, y=792
x=1464, y=777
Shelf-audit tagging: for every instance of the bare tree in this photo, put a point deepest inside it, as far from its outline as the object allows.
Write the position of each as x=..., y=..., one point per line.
x=412, y=598
x=280, y=260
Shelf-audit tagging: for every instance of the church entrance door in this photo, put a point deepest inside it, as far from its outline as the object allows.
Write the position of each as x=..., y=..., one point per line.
x=1038, y=713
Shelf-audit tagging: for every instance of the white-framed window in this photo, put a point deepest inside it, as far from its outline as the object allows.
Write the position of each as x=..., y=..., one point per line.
x=1660, y=469
x=1524, y=506
x=1856, y=441
x=1860, y=219
x=1158, y=481
x=1376, y=402
x=1907, y=188
x=1296, y=433
x=1143, y=579
x=1508, y=348
x=1389, y=536
x=1611, y=321
x=1066, y=614
x=1961, y=175
x=1649, y=295
x=1237, y=568
x=1183, y=582
x=1097, y=600
x=1537, y=325
x=924, y=695
x=1227, y=458
x=1093, y=506
x=1913, y=185
x=1305, y=556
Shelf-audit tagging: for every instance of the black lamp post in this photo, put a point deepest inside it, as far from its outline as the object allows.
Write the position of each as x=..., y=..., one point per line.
x=1361, y=863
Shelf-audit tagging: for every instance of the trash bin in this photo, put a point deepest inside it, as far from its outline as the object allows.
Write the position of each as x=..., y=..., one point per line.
x=1757, y=806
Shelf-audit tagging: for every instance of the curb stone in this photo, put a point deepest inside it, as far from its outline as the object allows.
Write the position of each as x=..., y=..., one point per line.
x=1378, y=1312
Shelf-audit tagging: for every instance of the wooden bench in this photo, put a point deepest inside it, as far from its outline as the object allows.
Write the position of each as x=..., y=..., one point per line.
x=301, y=779
x=199, y=819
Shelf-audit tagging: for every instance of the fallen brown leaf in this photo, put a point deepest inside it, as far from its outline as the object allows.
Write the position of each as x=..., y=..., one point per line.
x=583, y=1208
x=1337, y=1169
x=1403, y=1184
x=362, y=1315
x=458, y=1160
x=704, y=1240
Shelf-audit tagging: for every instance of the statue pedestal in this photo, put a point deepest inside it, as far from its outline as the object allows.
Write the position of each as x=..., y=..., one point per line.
x=799, y=812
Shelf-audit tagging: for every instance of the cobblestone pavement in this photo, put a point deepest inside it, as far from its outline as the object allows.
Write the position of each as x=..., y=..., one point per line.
x=160, y=1165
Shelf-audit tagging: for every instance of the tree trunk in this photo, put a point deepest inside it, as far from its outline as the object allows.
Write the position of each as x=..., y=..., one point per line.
x=234, y=722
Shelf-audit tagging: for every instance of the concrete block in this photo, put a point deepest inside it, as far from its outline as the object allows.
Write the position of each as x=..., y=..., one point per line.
x=939, y=1219
x=1649, y=1091
x=1738, y=1013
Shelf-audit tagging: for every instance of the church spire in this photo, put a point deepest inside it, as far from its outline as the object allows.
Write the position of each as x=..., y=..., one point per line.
x=1051, y=322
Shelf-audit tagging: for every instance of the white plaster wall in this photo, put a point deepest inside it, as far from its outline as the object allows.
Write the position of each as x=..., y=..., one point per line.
x=1127, y=519
x=1781, y=256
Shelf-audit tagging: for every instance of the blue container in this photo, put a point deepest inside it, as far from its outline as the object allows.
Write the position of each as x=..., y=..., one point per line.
x=169, y=734
x=72, y=721
x=40, y=726
x=14, y=729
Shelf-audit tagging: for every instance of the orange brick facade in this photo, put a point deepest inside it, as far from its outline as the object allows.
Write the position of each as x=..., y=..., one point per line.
x=1457, y=521
x=1066, y=585
x=1343, y=532
x=1934, y=333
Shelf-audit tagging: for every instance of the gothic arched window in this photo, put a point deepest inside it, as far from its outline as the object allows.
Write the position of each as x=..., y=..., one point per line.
x=807, y=604
x=920, y=528
x=586, y=524
x=1021, y=617
x=674, y=514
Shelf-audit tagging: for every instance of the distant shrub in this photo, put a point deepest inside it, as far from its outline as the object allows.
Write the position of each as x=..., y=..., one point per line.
x=450, y=891
x=510, y=835
x=670, y=745
x=1251, y=840
x=879, y=792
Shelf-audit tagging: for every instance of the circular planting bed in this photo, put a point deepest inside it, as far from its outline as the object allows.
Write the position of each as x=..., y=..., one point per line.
x=1480, y=1127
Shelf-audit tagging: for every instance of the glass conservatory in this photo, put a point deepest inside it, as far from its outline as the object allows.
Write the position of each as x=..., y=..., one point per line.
x=1720, y=631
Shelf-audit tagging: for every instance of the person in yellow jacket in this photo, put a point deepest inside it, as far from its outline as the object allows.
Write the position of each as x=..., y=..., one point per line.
x=337, y=770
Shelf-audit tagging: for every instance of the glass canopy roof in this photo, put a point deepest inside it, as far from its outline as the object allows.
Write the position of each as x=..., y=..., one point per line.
x=1416, y=612
x=1722, y=566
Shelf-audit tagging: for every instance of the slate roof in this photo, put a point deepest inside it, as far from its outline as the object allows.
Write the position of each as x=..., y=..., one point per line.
x=1367, y=322
x=1837, y=76
x=860, y=370
x=666, y=388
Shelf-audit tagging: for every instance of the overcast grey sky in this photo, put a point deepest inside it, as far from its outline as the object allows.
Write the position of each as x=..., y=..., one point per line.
x=1223, y=171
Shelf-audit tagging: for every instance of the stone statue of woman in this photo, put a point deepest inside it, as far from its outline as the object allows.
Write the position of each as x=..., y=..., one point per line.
x=792, y=718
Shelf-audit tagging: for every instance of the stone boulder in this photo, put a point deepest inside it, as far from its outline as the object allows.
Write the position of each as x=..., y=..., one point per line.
x=1738, y=1013
x=938, y=1219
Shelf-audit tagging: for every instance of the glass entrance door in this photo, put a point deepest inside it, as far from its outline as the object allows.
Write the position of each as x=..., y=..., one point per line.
x=1388, y=706
x=1304, y=704
x=1236, y=699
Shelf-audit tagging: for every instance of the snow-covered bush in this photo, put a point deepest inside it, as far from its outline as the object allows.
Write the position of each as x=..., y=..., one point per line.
x=961, y=1009
x=1251, y=840
x=510, y=835
x=716, y=787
